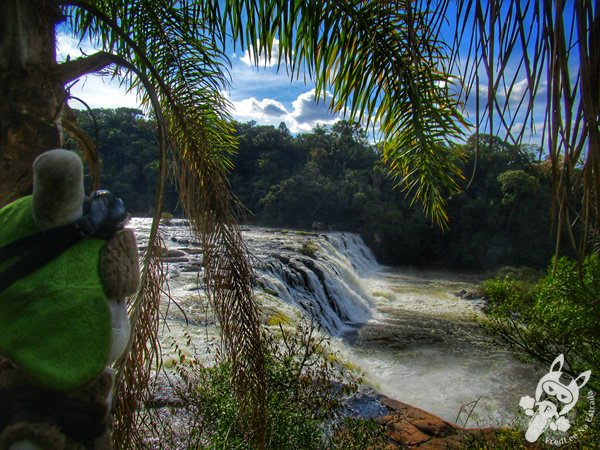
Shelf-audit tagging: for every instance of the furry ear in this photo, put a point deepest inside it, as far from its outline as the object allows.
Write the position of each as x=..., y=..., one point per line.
x=559, y=361
x=583, y=378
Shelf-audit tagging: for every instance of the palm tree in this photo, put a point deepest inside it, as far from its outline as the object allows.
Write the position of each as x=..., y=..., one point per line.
x=380, y=60
x=386, y=63
x=523, y=53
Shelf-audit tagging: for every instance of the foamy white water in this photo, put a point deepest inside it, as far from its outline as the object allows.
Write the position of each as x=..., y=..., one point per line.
x=405, y=329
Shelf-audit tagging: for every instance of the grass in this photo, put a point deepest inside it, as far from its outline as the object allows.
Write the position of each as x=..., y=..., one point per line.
x=306, y=387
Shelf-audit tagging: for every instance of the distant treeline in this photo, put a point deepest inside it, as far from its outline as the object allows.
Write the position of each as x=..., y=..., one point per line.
x=333, y=178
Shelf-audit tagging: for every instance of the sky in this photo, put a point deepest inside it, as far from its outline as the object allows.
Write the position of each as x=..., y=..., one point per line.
x=259, y=94
x=269, y=97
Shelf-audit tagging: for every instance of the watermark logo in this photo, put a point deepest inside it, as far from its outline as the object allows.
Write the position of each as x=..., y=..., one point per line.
x=553, y=400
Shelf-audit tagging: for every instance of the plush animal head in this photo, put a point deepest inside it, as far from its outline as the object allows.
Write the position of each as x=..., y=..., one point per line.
x=58, y=191
x=566, y=394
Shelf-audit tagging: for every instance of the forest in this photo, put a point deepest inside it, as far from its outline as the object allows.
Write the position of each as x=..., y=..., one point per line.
x=333, y=178
x=422, y=73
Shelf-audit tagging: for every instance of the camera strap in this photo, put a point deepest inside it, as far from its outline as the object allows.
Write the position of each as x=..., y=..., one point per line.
x=104, y=214
x=34, y=252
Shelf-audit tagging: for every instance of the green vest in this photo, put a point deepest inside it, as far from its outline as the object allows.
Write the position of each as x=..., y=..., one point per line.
x=55, y=323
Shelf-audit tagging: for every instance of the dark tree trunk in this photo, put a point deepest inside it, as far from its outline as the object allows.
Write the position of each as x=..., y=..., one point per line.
x=32, y=93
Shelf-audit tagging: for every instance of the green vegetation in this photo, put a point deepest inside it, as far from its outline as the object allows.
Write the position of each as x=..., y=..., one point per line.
x=305, y=388
x=398, y=76
x=557, y=313
x=358, y=434
x=335, y=177
x=129, y=157
x=175, y=56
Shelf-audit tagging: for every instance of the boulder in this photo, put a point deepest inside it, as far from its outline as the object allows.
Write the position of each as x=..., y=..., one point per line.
x=409, y=427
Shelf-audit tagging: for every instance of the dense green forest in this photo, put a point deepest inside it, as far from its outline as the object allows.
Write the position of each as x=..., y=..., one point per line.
x=333, y=178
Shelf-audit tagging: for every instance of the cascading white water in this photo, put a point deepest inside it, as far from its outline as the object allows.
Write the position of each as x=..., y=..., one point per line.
x=413, y=339
x=316, y=273
x=353, y=249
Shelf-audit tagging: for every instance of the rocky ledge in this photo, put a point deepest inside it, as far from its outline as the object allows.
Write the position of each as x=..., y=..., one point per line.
x=409, y=427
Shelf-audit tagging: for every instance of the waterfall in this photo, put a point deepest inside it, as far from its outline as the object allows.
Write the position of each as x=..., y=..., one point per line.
x=406, y=331
x=319, y=274
x=353, y=250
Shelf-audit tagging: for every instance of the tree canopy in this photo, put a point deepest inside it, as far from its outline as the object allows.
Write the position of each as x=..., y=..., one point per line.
x=384, y=62
x=333, y=178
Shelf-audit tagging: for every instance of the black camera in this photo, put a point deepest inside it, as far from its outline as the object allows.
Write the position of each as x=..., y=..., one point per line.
x=103, y=214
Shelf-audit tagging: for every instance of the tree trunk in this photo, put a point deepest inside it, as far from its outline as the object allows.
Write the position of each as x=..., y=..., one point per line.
x=32, y=94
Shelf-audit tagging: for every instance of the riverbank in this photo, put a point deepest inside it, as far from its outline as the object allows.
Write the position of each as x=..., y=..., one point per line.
x=402, y=425
x=403, y=330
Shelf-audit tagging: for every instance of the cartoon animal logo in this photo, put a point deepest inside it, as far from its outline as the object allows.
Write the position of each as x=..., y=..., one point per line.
x=550, y=395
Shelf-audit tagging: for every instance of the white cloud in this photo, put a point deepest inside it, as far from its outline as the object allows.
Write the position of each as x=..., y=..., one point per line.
x=532, y=132
x=69, y=47
x=248, y=57
x=102, y=92
x=301, y=113
x=308, y=113
x=260, y=110
x=97, y=91
x=304, y=115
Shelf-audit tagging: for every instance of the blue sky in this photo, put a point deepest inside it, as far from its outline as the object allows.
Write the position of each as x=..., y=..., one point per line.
x=264, y=95
x=260, y=94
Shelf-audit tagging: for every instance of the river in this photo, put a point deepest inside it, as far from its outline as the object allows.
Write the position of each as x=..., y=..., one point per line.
x=404, y=329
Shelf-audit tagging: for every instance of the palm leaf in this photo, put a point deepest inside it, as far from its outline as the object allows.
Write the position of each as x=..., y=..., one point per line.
x=168, y=46
x=530, y=52
x=383, y=65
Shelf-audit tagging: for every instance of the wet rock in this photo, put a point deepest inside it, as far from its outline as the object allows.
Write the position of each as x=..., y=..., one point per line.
x=403, y=432
x=409, y=427
x=164, y=393
x=466, y=295
x=364, y=404
x=172, y=253
x=176, y=260
x=195, y=266
x=194, y=251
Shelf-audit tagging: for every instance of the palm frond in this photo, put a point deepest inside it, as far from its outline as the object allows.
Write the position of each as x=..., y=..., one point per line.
x=169, y=44
x=383, y=65
x=132, y=423
x=540, y=52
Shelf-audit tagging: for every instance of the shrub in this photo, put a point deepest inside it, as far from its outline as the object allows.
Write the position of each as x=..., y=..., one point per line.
x=558, y=314
x=507, y=295
x=358, y=434
x=305, y=391
x=505, y=291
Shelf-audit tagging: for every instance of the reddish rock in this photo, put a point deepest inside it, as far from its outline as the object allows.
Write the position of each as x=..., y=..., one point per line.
x=408, y=426
x=405, y=433
x=446, y=443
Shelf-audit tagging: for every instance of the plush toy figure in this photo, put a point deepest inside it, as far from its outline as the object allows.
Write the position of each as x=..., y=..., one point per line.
x=66, y=264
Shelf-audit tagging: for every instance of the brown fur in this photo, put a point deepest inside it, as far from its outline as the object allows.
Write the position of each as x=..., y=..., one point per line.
x=45, y=432
x=119, y=265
